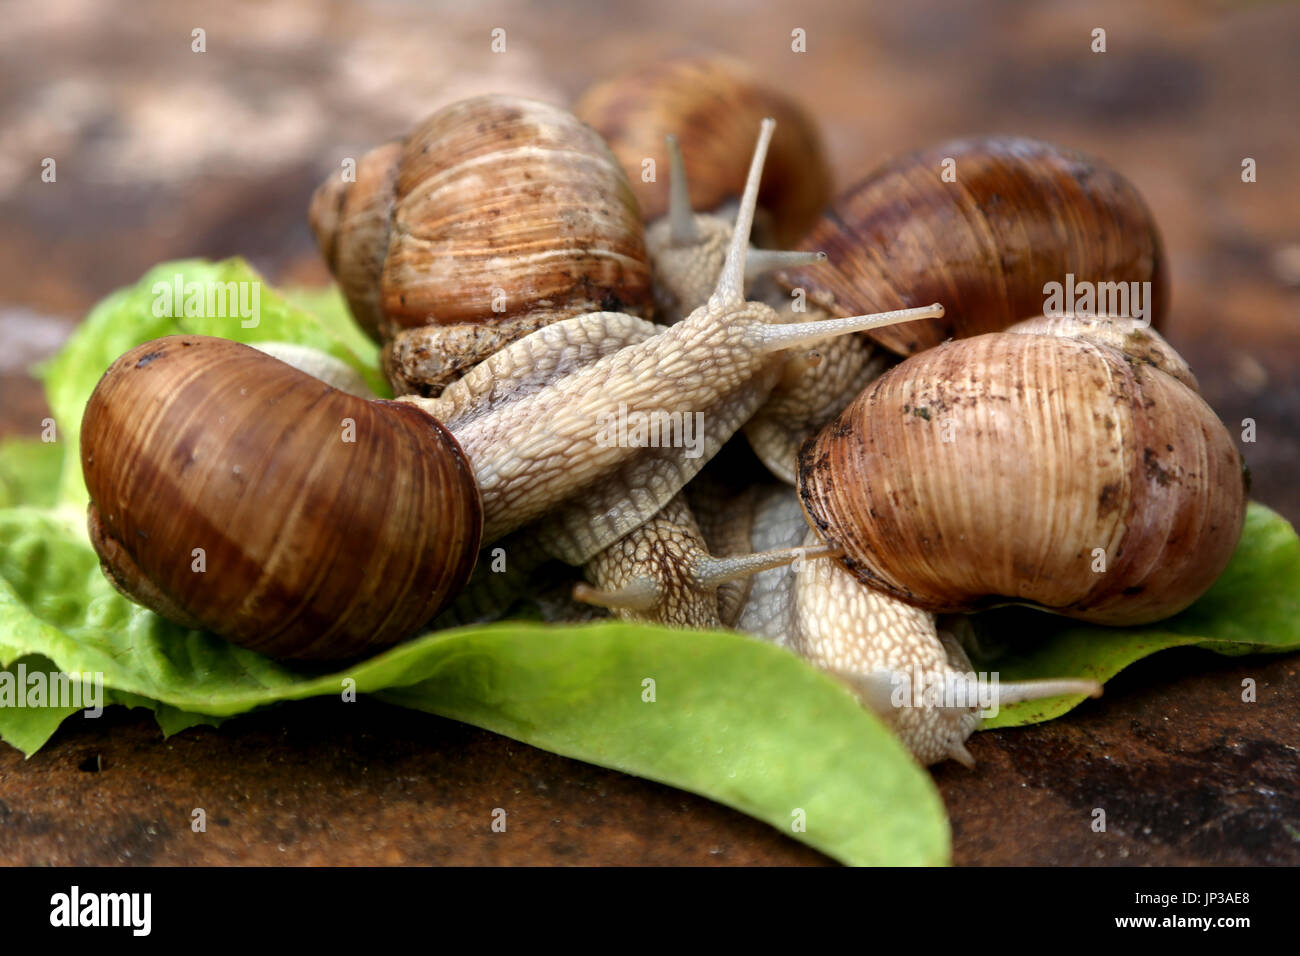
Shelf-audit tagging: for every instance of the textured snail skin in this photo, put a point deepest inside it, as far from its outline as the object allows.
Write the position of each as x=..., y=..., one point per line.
x=988, y=470
x=822, y=613
x=193, y=442
x=714, y=106
x=811, y=393
x=658, y=561
x=872, y=641
x=496, y=216
x=1020, y=214
x=888, y=652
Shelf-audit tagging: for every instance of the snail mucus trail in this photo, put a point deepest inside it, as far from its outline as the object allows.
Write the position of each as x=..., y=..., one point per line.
x=212, y=445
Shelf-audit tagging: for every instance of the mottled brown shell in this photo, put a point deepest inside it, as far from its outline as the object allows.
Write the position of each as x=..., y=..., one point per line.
x=714, y=106
x=313, y=546
x=990, y=469
x=351, y=221
x=493, y=209
x=1020, y=214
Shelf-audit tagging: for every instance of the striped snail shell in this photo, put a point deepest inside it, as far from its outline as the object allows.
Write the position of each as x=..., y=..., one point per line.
x=714, y=106
x=495, y=216
x=234, y=493
x=1017, y=214
x=1041, y=465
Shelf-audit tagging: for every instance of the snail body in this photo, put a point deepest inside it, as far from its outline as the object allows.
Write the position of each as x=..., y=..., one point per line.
x=664, y=572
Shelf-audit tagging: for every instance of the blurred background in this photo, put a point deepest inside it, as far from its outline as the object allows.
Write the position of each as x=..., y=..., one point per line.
x=164, y=153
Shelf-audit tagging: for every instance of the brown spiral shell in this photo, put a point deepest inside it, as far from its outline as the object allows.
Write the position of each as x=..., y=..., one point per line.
x=1020, y=214
x=314, y=546
x=989, y=469
x=351, y=221
x=493, y=209
x=714, y=106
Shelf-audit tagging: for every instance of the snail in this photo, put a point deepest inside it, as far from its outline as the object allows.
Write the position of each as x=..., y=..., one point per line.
x=1068, y=463
x=226, y=494
x=1017, y=215
x=189, y=436
x=495, y=216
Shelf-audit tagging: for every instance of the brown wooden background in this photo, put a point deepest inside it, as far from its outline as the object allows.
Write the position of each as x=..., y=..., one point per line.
x=164, y=153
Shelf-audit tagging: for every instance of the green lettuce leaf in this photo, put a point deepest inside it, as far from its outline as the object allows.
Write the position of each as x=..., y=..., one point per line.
x=329, y=307
x=29, y=471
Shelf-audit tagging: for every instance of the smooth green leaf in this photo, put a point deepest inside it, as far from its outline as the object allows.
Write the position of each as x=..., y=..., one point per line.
x=126, y=318
x=735, y=719
x=1254, y=607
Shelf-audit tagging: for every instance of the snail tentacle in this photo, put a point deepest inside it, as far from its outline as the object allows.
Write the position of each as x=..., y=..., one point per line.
x=762, y=261
x=681, y=218
x=794, y=335
x=730, y=290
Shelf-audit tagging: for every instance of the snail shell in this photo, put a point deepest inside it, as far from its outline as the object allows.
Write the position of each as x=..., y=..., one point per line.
x=1020, y=214
x=714, y=106
x=991, y=470
x=495, y=216
x=351, y=222
x=184, y=446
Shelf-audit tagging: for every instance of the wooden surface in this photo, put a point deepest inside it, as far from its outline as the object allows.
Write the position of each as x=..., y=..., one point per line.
x=163, y=153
